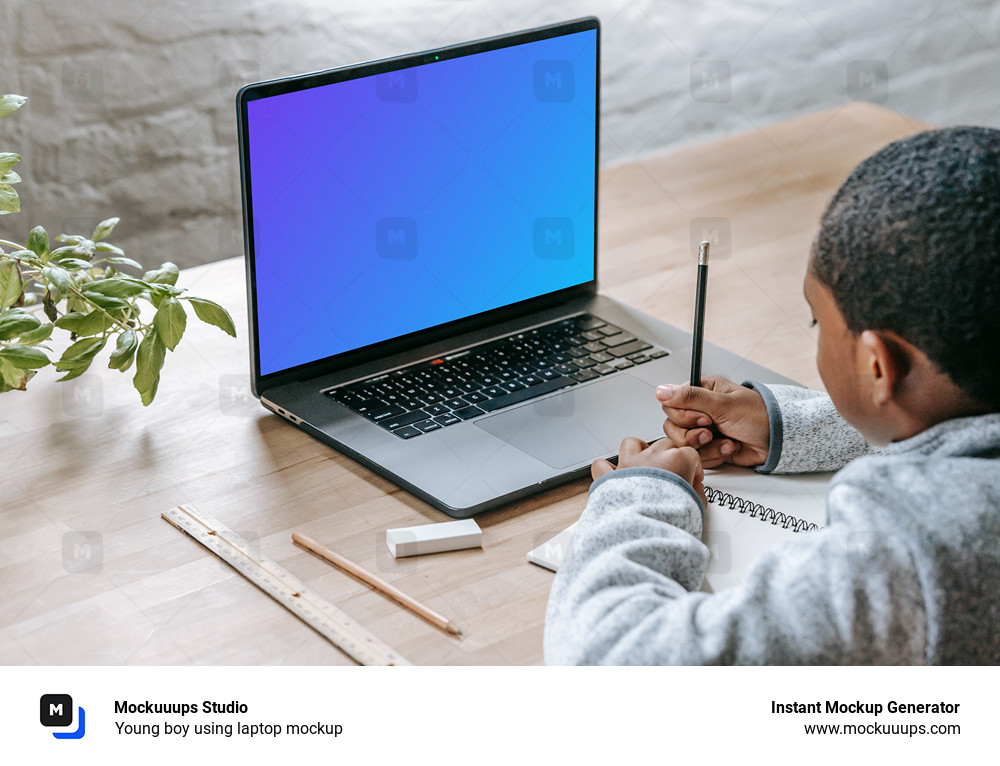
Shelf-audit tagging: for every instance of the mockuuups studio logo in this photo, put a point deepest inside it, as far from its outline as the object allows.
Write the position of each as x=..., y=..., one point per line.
x=868, y=81
x=553, y=81
x=396, y=238
x=710, y=80
x=56, y=711
x=553, y=238
x=399, y=87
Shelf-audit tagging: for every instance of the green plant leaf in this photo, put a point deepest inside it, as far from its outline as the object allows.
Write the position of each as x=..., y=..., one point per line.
x=10, y=177
x=8, y=160
x=83, y=324
x=59, y=277
x=104, y=228
x=166, y=274
x=25, y=357
x=72, y=239
x=15, y=322
x=148, y=363
x=169, y=322
x=122, y=260
x=11, y=103
x=212, y=313
x=34, y=337
x=74, y=264
x=121, y=357
x=62, y=252
x=11, y=285
x=38, y=242
x=118, y=286
x=9, y=201
x=107, y=247
x=105, y=302
x=13, y=377
x=81, y=352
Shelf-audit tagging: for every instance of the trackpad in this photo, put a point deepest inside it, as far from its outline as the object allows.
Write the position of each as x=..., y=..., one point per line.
x=583, y=423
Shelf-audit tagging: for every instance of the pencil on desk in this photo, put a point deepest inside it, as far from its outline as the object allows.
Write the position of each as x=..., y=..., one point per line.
x=436, y=618
x=698, y=337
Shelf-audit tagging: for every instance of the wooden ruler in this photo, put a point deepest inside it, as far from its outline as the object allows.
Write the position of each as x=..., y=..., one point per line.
x=283, y=587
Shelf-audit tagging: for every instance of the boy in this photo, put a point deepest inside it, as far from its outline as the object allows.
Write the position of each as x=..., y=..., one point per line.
x=904, y=283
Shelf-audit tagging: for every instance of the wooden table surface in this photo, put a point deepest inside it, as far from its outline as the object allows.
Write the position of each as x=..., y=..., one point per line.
x=90, y=574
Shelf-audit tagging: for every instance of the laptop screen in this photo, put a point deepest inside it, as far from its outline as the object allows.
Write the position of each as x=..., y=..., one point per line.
x=389, y=204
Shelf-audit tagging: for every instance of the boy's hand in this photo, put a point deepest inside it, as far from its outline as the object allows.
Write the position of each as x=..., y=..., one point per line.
x=738, y=414
x=660, y=454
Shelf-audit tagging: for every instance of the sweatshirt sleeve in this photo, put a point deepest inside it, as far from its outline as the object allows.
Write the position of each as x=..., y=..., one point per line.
x=628, y=590
x=807, y=432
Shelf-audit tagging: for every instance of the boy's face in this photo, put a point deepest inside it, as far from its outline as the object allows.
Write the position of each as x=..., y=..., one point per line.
x=841, y=363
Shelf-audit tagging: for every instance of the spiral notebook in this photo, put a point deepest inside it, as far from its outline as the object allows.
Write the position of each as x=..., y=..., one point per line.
x=747, y=513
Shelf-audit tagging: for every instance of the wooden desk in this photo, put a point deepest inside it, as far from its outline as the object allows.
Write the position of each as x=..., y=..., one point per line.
x=84, y=458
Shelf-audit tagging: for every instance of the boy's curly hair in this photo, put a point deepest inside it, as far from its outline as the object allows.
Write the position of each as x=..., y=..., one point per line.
x=911, y=243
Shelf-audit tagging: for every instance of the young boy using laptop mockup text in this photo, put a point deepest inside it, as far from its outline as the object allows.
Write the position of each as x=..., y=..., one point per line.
x=904, y=283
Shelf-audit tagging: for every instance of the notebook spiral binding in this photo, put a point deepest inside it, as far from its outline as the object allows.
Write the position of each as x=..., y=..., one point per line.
x=757, y=511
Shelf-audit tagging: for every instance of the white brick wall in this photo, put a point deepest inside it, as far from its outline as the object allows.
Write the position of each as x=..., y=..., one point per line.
x=131, y=101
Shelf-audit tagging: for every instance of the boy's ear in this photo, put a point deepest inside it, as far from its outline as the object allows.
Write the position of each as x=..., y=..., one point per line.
x=885, y=361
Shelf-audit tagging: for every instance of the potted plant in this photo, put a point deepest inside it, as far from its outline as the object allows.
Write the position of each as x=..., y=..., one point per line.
x=83, y=289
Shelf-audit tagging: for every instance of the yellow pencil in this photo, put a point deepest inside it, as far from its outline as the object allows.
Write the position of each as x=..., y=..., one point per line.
x=436, y=618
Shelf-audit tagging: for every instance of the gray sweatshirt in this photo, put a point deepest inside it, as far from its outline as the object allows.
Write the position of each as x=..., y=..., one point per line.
x=906, y=570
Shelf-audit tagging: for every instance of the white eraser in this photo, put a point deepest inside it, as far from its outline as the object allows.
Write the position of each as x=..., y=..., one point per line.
x=434, y=538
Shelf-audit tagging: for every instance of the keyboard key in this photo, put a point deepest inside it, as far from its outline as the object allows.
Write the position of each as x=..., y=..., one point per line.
x=493, y=391
x=394, y=422
x=407, y=432
x=619, y=339
x=377, y=416
x=514, y=385
x=528, y=393
x=584, y=375
x=577, y=352
x=594, y=346
x=602, y=357
x=345, y=396
x=455, y=404
x=656, y=353
x=639, y=359
x=428, y=425
x=610, y=329
x=469, y=412
x=592, y=335
x=623, y=364
x=602, y=369
x=476, y=396
x=566, y=369
x=627, y=349
x=447, y=420
x=368, y=406
x=588, y=322
x=531, y=380
x=436, y=409
x=548, y=374
x=584, y=362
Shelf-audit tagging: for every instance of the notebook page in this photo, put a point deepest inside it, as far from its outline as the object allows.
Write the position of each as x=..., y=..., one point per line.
x=735, y=539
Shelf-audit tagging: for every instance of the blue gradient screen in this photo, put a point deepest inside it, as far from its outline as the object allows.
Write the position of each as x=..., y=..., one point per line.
x=393, y=203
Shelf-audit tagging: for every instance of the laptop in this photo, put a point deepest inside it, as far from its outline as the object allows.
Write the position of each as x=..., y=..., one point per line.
x=421, y=251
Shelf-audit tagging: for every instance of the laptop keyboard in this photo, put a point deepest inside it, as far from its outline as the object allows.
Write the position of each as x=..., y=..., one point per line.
x=441, y=392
